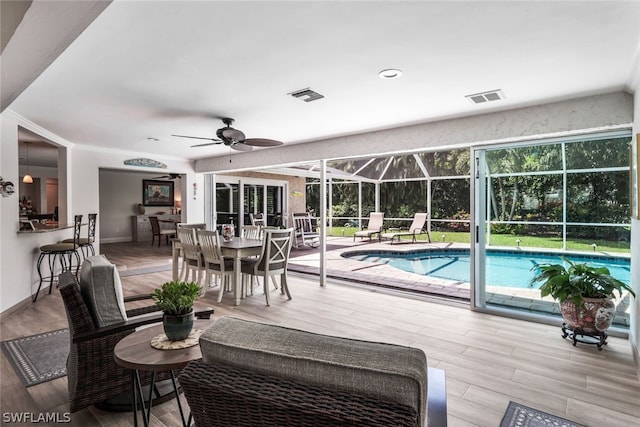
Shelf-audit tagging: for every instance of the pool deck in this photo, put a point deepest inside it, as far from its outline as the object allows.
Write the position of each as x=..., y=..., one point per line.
x=307, y=261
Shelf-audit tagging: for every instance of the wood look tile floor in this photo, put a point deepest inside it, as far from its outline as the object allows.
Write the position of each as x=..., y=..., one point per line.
x=489, y=360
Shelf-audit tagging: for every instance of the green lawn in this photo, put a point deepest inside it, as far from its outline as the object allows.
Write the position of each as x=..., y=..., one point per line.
x=511, y=240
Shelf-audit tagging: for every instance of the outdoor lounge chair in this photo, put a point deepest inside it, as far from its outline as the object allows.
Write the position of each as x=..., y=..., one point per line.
x=416, y=229
x=376, y=219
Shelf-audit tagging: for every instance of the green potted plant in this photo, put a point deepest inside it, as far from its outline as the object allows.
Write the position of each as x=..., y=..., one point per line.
x=176, y=299
x=585, y=294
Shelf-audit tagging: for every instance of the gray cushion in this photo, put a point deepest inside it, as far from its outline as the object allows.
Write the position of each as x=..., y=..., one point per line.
x=387, y=372
x=102, y=291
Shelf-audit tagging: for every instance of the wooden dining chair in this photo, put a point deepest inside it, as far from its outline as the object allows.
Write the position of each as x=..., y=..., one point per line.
x=194, y=225
x=192, y=256
x=273, y=259
x=158, y=231
x=214, y=263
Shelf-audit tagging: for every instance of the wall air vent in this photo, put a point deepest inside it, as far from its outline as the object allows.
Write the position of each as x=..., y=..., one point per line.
x=482, y=97
x=307, y=95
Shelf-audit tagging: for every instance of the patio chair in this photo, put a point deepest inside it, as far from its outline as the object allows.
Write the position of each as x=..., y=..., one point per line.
x=305, y=233
x=415, y=229
x=98, y=319
x=258, y=219
x=376, y=220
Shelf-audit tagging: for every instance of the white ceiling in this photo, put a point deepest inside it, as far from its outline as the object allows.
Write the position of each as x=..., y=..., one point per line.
x=149, y=69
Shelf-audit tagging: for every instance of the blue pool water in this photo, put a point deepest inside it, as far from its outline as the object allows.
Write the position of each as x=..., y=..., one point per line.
x=503, y=268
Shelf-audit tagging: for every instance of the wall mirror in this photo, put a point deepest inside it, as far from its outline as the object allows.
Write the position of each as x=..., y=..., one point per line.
x=38, y=191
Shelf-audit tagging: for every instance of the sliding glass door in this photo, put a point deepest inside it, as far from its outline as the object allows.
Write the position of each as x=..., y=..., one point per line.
x=258, y=196
x=541, y=202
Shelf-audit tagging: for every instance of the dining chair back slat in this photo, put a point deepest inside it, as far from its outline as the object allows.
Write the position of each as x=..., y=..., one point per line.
x=193, y=261
x=215, y=264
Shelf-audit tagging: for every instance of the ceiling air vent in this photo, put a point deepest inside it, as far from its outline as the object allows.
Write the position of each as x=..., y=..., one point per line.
x=479, y=98
x=307, y=95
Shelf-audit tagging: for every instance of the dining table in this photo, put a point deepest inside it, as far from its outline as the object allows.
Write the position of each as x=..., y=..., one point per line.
x=236, y=248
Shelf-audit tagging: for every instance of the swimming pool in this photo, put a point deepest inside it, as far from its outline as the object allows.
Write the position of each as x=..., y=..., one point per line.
x=503, y=268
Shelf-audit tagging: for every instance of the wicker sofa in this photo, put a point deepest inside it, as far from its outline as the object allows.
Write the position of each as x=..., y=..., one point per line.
x=254, y=374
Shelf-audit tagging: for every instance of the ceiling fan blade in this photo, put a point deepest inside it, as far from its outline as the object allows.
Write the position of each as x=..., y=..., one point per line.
x=196, y=137
x=241, y=147
x=205, y=144
x=262, y=142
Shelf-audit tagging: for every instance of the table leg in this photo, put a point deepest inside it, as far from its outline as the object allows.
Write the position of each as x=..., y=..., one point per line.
x=134, y=393
x=137, y=387
x=174, y=262
x=150, y=400
x=175, y=389
x=237, y=279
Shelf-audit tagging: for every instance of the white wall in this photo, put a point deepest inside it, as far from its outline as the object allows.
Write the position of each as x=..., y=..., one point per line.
x=118, y=207
x=571, y=117
x=19, y=252
x=634, y=328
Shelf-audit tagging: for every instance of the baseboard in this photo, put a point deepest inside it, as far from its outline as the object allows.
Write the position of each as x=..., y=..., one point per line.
x=636, y=358
x=20, y=305
x=115, y=240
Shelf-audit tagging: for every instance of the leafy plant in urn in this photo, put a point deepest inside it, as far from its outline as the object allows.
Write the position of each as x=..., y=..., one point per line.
x=584, y=292
x=176, y=299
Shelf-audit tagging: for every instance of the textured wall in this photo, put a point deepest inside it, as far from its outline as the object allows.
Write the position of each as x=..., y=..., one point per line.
x=575, y=116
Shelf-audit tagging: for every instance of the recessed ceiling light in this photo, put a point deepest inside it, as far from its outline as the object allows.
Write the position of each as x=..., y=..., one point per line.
x=152, y=139
x=390, y=73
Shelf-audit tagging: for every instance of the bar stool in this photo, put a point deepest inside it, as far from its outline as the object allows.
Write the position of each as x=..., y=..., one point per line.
x=59, y=251
x=86, y=243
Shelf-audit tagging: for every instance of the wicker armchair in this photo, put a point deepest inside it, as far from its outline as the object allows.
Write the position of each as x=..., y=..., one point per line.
x=93, y=376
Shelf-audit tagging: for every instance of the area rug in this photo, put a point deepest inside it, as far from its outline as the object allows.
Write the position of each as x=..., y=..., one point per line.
x=147, y=270
x=518, y=415
x=39, y=358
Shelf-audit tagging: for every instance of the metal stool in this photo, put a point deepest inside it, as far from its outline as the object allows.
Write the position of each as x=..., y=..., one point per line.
x=59, y=251
x=86, y=243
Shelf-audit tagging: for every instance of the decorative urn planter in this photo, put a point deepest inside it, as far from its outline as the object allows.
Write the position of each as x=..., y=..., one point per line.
x=594, y=316
x=228, y=231
x=177, y=327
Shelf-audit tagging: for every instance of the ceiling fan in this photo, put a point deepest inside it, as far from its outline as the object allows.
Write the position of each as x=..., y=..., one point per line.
x=234, y=138
x=169, y=176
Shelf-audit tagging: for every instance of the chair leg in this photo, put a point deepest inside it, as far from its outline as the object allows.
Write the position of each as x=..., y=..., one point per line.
x=284, y=285
x=265, y=281
x=38, y=264
x=221, y=291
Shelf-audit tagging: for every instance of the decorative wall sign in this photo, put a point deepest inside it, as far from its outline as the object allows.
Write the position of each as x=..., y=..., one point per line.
x=150, y=163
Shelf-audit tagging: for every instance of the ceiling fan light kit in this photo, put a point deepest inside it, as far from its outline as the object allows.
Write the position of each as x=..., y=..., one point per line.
x=234, y=138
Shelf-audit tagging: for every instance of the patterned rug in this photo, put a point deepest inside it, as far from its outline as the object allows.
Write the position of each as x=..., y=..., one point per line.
x=39, y=358
x=518, y=415
x=147, y=270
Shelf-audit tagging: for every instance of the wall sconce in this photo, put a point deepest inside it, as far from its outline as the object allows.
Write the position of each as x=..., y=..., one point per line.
x=177, y=205
x=195, y=190
x=27, y=179
x=6, y=188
